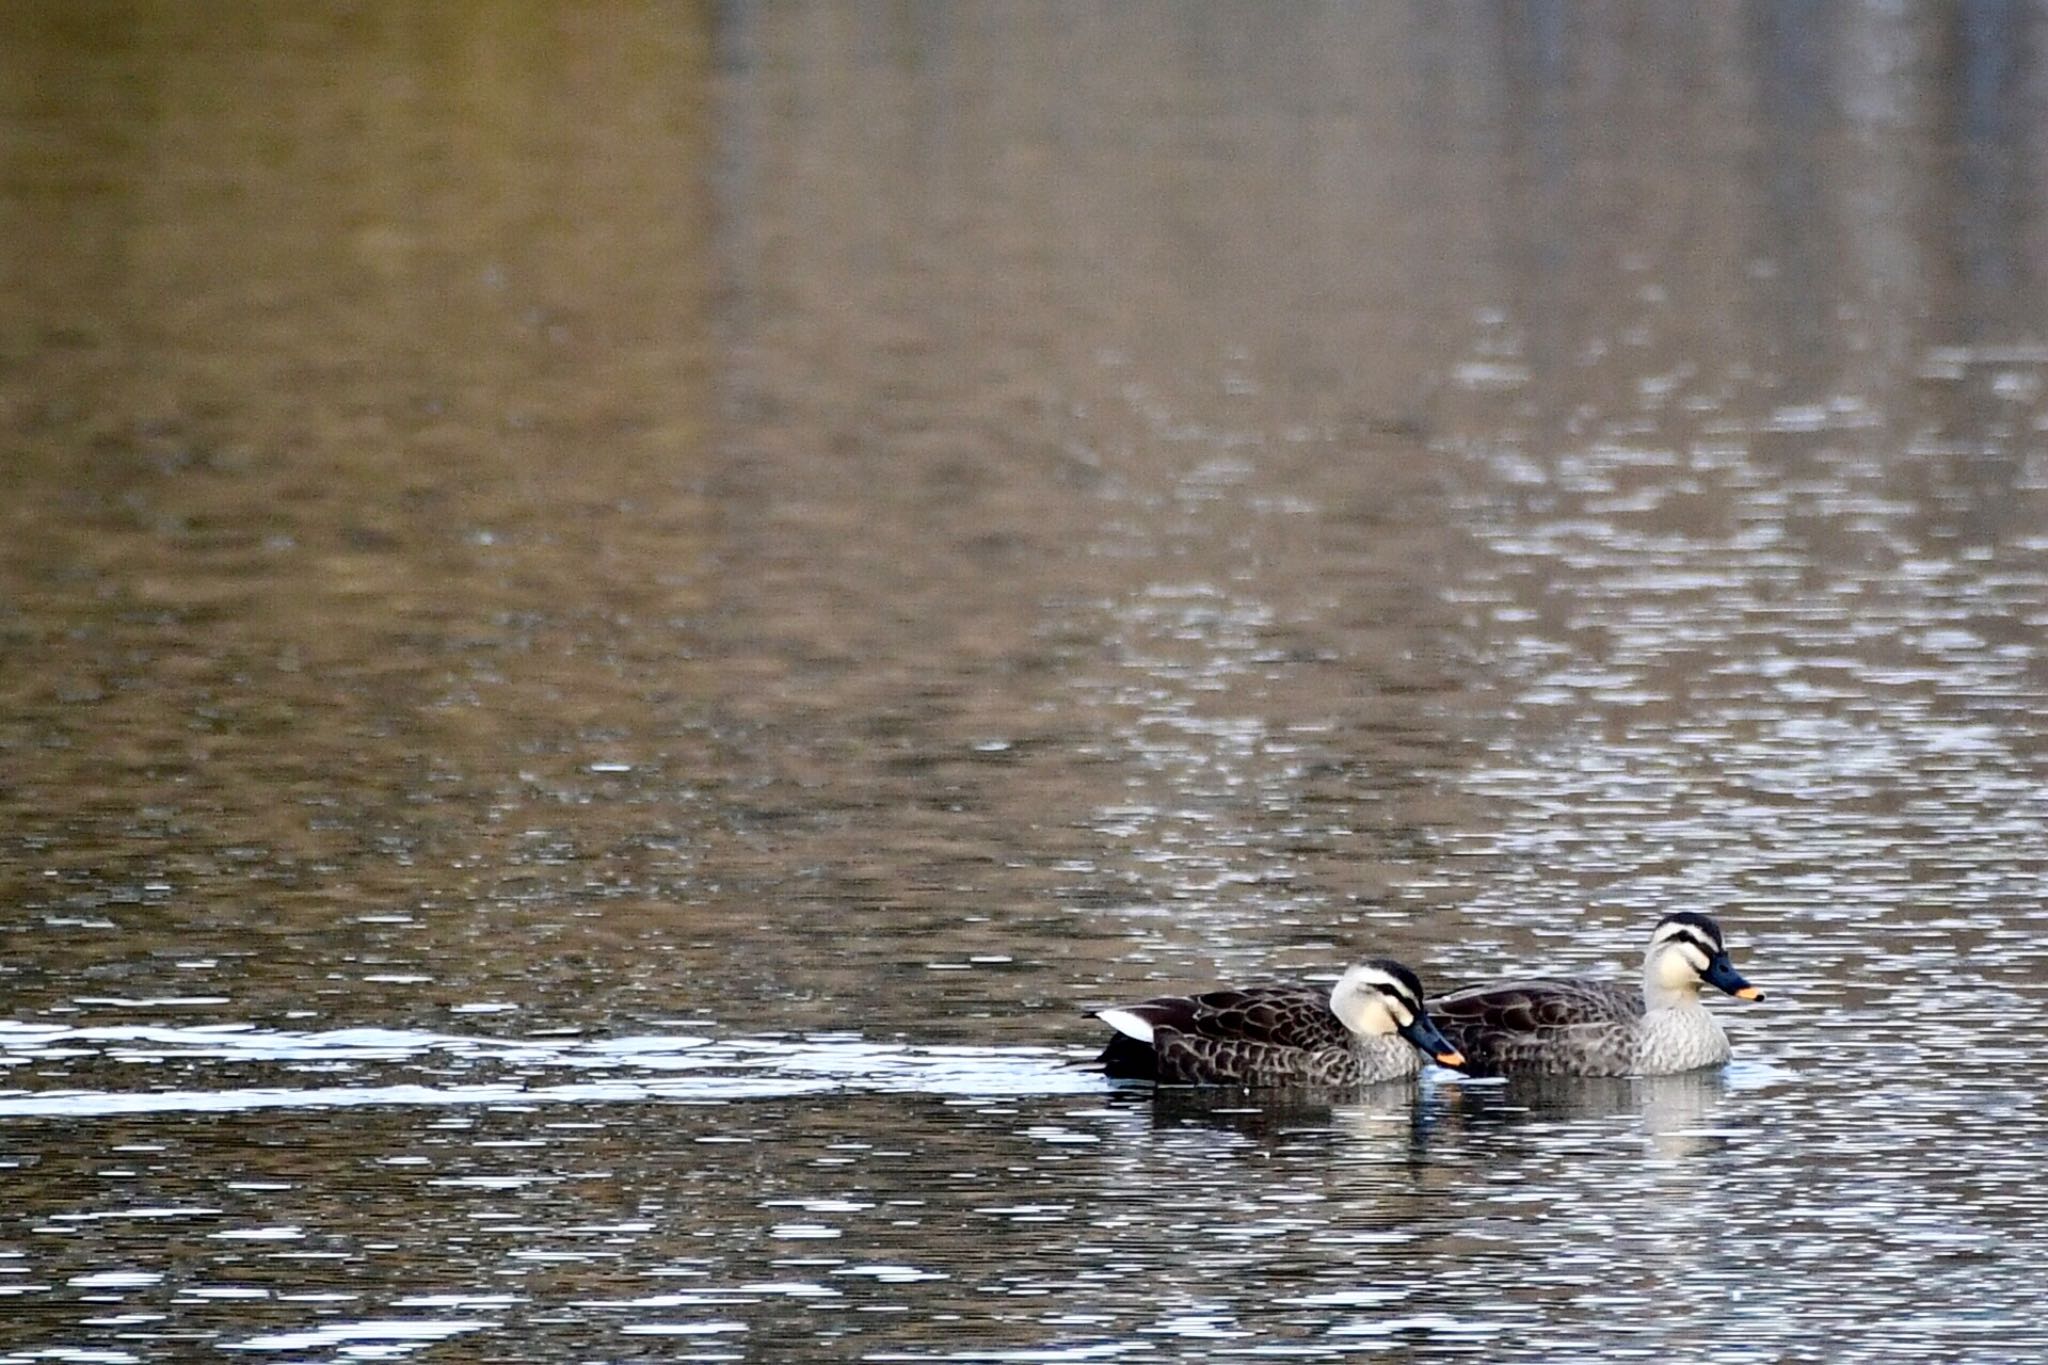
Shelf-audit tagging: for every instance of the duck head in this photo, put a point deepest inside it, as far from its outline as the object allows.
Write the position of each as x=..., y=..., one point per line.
x=1686, y=952
x=1380, y=996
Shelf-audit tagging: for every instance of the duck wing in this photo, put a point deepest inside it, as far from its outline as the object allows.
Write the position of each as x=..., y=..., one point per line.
x=1284, y=1014
x=1558, y=1025
x=1211, y=1028
x=1191, y=1059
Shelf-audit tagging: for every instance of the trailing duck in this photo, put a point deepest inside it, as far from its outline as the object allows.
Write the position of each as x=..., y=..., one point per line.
x=1370, y=1027
x=1582, y=1027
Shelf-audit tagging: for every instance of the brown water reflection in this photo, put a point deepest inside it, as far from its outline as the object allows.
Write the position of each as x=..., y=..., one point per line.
x=912, y=520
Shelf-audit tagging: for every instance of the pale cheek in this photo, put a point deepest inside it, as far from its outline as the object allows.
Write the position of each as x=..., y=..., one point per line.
x=1369, y=1017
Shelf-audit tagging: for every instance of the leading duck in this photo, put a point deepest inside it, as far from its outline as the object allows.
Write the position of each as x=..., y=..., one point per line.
x=1364, y=1030
x=1580, y=1027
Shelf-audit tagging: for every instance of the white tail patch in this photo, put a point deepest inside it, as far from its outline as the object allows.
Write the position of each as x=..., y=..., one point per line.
x=1128, y=1024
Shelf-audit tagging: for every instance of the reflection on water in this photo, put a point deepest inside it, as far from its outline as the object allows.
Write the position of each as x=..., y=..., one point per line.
x=613, y=616
x=846, y=1224
x=671, y=1067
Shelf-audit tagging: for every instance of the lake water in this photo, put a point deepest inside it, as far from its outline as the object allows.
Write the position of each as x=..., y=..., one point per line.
x=613, y=617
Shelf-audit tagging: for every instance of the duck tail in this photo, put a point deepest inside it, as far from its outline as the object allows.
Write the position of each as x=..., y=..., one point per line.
x=1127, y=1059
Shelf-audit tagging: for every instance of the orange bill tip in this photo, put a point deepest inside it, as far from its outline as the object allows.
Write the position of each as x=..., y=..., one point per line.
x=1451, y=1058
x=1749, y=993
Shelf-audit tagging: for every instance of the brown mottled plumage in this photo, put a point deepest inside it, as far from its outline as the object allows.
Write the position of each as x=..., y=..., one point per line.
x=1266, y=1035
x=1553, y=1025
x=1580, y=1027
x=1284, y=1034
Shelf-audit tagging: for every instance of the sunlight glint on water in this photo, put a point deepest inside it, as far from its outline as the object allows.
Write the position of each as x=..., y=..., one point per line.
x=615, y=617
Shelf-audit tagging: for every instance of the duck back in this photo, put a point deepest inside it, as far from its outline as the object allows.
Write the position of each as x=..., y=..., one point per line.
x=1554, y=1025
x=1275, y=1035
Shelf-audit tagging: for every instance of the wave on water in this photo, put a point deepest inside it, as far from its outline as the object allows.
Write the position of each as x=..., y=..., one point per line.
x=565, y=1070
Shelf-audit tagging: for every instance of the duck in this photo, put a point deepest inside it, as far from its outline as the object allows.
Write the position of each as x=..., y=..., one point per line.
x=1583, y=1027
x=1368, y=1028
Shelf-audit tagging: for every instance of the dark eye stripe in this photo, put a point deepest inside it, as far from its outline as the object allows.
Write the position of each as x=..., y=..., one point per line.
x=1399, y=984
x=1396, y=990
x=1704, y=945
x=1690, y=922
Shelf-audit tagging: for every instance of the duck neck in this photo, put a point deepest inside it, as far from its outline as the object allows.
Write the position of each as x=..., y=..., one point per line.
x=1659, y=994
x=1383, y=1056
x=1678, y=1034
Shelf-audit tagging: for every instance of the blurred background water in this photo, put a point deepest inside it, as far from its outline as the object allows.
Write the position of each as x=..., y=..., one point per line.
x=612, y=616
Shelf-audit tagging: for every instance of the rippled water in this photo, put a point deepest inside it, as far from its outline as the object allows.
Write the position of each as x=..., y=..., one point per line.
x=615, y=616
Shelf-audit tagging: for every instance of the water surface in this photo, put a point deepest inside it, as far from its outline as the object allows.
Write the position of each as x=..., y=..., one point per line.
x=615, y=616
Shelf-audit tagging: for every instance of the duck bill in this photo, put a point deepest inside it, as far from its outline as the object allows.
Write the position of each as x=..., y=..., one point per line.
x=1721, y=974
x=1426, y=1035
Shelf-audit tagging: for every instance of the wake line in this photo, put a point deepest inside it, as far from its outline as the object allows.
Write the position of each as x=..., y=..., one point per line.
x=662, y=1069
